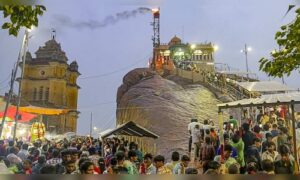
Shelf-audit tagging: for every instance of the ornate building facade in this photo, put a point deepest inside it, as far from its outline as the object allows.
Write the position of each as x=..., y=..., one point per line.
x=177, y=54
x=49, y=81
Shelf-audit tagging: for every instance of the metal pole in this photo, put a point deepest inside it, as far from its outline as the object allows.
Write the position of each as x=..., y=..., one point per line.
x=23, y=56
x=8, y=98
x=294, y=136
x=91, y=124
x=246, y=54
x=13, y=77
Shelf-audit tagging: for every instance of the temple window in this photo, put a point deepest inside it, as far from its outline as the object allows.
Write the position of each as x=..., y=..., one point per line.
x=47, y=94
x=34, y=94
x=41, y=93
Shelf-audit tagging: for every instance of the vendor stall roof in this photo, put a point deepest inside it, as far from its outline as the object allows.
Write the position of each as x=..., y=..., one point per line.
x=42, y=110
x=264, y=86
x=131, y=129
x=271, y=99
x=11, y=113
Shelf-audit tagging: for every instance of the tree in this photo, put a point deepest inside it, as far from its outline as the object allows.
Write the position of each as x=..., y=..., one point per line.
x=287, y=58
x=21, y=16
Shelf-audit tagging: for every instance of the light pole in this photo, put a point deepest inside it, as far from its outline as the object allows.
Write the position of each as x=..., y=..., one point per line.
x=91, y=124
x=246, y=50
x=21, y=58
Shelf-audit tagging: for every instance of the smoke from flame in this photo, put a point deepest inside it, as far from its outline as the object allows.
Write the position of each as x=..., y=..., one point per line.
x=94, y=24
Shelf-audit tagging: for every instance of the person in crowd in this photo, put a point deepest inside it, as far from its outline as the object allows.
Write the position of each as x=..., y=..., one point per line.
x=10, y=146
x=174, y=160
x=55, y=158
x=23, y=153
x=214, y=138
x=147, y=166
x=238, y=144
x=26, y=167
x=232, y=121
x=254, y=150
x=2, y=149
x=112, y=167
x=207, y=153
x=269, y=138
x=282, y=137
x=270, y=154
x=259, y=117
x=75, y=154
x=257, y=132
x=274, y=130
x=206, y=125
x=234, y=169
x=48, y=169
x=227, y=141
x=181, y=167
x=226, y=159
x=196, y=141
x=267, y=167
x=214, y=167
x=248, y=136
x=266, y=130
x=65, y=156
x=94, y=156
x=252, y=168
x=101, y=165
x=265, y=118
x=191, y=127
x=4, y=166
x=14, y=160
x=131, y=163
x=87, y=167
x=159, y=162
x=70, y=167
x=191, y=171
x=139, y=154
x=285, y=163
x=120, y=156
x=40, y=163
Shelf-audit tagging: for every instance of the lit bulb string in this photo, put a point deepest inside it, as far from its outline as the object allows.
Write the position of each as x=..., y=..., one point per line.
x=116, y=71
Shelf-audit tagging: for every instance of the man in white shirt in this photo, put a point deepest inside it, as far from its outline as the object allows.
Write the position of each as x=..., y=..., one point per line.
x=270, y=154
x=191, y=128
x=206, y=125
x=196, y=140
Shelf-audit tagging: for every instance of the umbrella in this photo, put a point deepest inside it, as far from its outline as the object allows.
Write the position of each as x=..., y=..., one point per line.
x=11, y=113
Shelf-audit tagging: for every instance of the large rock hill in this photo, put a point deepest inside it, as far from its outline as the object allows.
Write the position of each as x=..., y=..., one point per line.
x=165, y=106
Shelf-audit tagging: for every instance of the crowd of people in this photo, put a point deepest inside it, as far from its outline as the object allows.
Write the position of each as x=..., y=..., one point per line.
x=261, y=145
x=83, y=156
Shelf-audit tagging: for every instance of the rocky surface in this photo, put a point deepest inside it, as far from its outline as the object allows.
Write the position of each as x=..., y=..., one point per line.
x=164, y=106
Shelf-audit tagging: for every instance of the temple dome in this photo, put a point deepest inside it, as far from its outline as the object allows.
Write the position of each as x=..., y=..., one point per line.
x=51, y=51
x=175, y=40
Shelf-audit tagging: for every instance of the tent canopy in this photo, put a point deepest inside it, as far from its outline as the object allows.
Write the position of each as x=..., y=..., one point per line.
x=264, y=86
x=131, y=129
x=271, y=99
x=11, y=113
x=42, y=110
